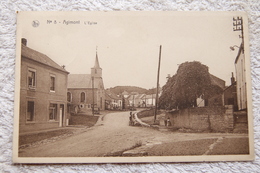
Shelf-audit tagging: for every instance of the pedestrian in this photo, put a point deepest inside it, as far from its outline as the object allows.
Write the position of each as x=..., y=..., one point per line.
x=168, y=122
x=130, y=119
x=165, y=122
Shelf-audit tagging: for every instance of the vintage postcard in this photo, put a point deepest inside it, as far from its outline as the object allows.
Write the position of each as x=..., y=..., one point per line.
x=124, y=87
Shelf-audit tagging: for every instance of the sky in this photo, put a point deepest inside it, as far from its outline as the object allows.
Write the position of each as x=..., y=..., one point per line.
x=127, y=43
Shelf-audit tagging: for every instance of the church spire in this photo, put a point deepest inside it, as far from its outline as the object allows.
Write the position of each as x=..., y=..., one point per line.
x=96, y=62
x=96, y=71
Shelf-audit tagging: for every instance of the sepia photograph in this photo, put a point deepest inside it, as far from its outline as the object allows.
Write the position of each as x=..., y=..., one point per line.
x=124, y=87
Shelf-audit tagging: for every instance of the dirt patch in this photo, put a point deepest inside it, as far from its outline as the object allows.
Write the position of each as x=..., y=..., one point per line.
x=231, y=146
x=120, y=153
x=184, y=148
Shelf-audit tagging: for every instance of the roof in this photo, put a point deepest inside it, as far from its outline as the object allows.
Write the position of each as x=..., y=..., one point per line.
x=139, y=96
x=96, y=62
x=217, y=81
x=111, y=95
x=81, y=81
x=125, y=93
x=40, y=57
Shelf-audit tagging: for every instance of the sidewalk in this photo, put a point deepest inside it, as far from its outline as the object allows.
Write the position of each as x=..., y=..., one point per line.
x=28, y=138
x=52, y=129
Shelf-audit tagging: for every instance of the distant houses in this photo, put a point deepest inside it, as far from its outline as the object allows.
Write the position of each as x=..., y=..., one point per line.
x=43, y=91
x=141, y=100
x=113, y=101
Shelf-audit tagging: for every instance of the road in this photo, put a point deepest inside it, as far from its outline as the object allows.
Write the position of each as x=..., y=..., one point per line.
x=113, y=134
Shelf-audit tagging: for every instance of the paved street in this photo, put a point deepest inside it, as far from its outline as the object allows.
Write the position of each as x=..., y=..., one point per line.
x=112, y=135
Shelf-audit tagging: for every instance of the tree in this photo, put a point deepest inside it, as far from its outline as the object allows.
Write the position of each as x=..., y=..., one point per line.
x=191, y=81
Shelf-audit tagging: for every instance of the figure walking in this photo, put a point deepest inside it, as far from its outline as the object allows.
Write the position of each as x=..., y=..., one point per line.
x=130, y=119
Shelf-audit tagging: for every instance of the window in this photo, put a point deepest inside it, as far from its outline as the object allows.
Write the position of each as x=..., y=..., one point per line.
x=69, y=96
x=52, y=87
x=82, y=97
x=30, y=111
x=31, y=78
x=53, y=111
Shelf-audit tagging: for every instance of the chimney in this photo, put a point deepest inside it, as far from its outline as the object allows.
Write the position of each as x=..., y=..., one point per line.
x=168, y=77
x=232, y=79
x=24, y=41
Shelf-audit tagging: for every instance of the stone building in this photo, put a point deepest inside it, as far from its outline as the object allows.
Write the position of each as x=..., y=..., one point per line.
x=86, y=90
x=43, y=92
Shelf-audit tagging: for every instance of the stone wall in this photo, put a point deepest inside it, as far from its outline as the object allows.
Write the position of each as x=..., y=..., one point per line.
x=215, y=119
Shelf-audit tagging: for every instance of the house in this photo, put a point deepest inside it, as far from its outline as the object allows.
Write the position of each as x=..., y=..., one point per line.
x=214, y=100
x=150, y=100
x=86, y=90
x=43, y=92
x=113, y=101
x=131, y=99
x=125, y=94
x=139, y=101
x=241, y=79
x=230, y=94
x=134, y=99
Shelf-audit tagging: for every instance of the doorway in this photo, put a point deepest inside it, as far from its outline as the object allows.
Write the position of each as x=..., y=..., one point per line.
x=61, y=115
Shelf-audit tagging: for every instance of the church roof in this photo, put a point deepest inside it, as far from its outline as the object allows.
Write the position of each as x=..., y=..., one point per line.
x=96, y=62
x=40, y=57
x=82, y=81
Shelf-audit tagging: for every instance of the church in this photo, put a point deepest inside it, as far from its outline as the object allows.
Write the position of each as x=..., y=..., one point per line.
x=86, y=90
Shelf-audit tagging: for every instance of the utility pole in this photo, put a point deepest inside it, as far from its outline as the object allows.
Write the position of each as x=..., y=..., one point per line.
x=238, y=26
x=93, y=103
x=157, y=89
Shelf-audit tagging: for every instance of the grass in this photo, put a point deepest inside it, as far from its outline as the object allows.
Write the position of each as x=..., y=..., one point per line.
x=183, y=148
x=82, y=119
x=30, y=138
x=231, y=146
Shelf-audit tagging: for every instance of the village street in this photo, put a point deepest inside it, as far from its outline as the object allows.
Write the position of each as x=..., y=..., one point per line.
x=111, y=135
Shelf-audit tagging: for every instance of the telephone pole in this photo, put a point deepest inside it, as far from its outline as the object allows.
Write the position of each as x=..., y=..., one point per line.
x=93, y=102
x=238, y=26
x=157, y=89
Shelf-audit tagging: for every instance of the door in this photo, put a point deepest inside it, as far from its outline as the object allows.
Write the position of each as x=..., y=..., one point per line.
x=61, y=115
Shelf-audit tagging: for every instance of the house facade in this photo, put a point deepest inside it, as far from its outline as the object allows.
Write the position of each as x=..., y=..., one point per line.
x=43, y=92
x=86, y=90
x=113, y=101
x=141, y=100
x=241, y=79
x=149, y=100
x=230, y=94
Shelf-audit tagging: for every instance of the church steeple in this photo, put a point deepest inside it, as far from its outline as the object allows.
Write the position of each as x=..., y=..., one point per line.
x=96, y=62
x=96, y=71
